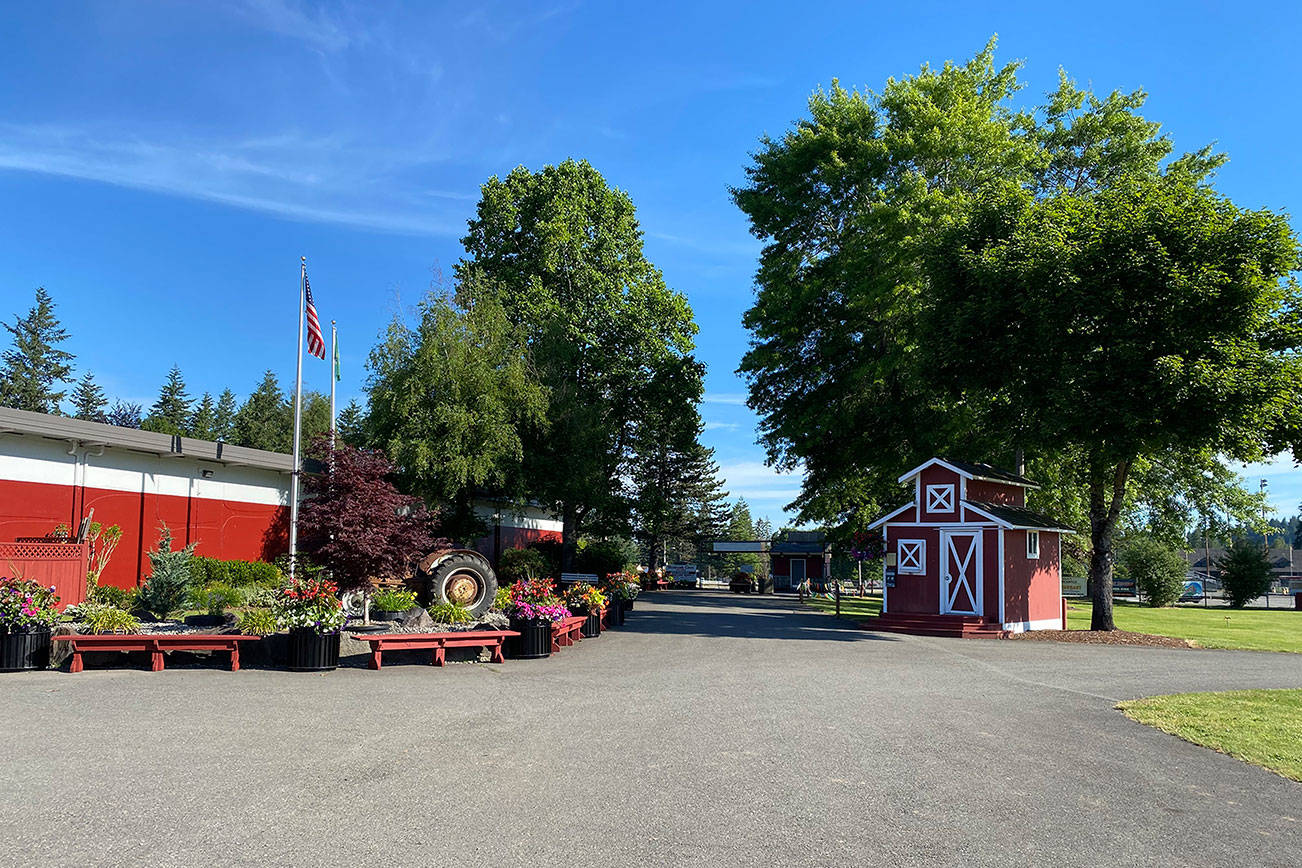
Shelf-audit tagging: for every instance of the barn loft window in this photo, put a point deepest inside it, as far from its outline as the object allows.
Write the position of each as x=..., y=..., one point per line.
x=1032, y=543
x=940, y=498
x=912, y=556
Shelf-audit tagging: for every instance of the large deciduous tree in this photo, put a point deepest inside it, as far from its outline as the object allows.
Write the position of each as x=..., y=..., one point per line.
x=451, y=399
x=562, y=253
x=880, y=211
x=36, y=366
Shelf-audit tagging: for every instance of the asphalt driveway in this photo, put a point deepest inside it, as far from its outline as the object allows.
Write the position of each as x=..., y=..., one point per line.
x=710, y=730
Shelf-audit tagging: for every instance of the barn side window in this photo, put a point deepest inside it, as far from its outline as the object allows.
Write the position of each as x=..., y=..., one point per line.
x=1032, y=543
x=912, y=556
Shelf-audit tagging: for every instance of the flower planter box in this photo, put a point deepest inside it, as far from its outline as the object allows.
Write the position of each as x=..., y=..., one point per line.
x=628, y=605
x=388, y=614
x=615, y=613
x=24, y=651
x=592, y=626
x=309, y=651
x=534, y=641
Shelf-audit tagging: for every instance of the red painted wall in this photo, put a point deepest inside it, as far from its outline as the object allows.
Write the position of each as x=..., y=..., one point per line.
x=223, y=529
x=993, y=492
x=1031, y=586
x=513, y=538
x=938, y=476
x=913, y=592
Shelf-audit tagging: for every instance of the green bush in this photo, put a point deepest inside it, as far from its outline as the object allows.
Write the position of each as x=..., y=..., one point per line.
x=260, y=596
x=112, y=595
x=451, y=613
x=517, y=564
x=606, y=556
x=257, y=622
x=215, y=598
x=1157, y=571
x=101, y=618
x=1245, y=573
x=168, y=586
x=237, y=574
x=392, y=600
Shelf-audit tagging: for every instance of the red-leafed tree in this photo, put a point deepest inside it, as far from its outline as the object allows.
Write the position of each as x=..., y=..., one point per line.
x=353, y=520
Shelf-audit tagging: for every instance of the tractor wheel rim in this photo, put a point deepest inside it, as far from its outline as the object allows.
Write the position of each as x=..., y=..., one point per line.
x=462, y=589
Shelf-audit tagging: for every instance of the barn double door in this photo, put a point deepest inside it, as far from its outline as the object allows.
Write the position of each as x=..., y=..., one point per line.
x=960, y=572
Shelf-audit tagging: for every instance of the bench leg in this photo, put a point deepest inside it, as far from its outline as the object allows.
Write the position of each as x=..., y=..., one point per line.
x=235, y=657
x=497, y=652
x=439, y=658
x=155, y=659
x=374, y=663
x=77, y=663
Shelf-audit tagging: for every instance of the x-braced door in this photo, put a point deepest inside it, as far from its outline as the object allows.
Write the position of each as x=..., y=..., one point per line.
x=960, y=572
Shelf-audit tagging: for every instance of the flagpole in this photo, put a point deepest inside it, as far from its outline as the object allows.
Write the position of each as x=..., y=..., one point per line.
x=334, y=375
x=298, y=418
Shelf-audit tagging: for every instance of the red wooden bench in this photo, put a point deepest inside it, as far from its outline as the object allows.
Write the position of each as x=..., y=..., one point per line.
x=567, y=631
x=439, y=642
x=155, y=644
x=656, y=584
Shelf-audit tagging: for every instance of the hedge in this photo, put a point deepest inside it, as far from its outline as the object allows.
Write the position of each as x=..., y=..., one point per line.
x=238, y=574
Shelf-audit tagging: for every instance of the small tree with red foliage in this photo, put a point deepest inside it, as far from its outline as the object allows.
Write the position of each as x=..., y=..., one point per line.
x=355, y=523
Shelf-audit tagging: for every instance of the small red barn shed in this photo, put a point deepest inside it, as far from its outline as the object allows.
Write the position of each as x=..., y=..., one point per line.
x=970, y=557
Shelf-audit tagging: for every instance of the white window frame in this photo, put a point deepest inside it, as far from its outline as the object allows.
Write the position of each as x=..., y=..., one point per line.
x=940, y=498
x=1033, y=545
x=917, y=562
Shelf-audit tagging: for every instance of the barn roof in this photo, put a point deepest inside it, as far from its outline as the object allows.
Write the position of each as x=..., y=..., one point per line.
x=974, y=470
x=1017, y=517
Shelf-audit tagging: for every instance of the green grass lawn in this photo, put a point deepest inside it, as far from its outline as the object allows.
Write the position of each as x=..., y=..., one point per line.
x=1249, y=629
x=1259, y=726
x=855, y=608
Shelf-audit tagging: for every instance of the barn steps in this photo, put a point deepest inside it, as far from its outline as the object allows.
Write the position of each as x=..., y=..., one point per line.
x=957, y=626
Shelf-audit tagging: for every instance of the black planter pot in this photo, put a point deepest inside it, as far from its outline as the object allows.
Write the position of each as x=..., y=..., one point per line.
x=311, y=652
x=592, y=627
x=21, y=651
x=387, y=615
x=205, y=620
x=615, y=613
x=534, y=641
x=628, y=605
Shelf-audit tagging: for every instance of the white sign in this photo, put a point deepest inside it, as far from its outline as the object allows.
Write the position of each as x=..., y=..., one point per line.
x=681, y=572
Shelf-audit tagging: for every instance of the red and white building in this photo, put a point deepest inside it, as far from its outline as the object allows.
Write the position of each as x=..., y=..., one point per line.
x=969, y=556
x=514, y=526
x=229, y=500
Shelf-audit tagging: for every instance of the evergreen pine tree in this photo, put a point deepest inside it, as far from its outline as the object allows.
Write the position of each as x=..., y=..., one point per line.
x=203, y=421
x=224, y=417
x=88, y=400
x=349, y=424
x=171, y=412
x=123, y=414
x=260, y=421
x=35, y=367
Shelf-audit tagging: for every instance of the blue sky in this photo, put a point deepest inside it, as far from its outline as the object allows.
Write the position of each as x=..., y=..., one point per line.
x=164, y=165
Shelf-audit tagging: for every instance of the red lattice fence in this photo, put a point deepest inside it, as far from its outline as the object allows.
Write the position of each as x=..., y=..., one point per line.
x=62, y=564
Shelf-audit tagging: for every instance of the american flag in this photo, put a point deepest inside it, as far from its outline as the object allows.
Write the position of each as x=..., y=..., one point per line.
x=315, y=342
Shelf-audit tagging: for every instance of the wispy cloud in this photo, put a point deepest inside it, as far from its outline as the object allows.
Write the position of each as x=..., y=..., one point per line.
x=292, y=175
x=703, y=244
x=734, y=399
x=318, y=27
x=722, y=426
x=755, y=480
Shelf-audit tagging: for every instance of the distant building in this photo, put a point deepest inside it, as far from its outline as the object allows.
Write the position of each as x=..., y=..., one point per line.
x=799, y=556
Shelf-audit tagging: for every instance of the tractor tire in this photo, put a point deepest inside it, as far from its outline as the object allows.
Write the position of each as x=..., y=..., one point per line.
x=466, y=579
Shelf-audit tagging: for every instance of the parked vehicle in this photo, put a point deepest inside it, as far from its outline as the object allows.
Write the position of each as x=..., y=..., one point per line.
x=742, y=583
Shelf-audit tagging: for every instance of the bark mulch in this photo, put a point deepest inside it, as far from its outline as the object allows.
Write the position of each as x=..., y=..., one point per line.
x=1093, y=637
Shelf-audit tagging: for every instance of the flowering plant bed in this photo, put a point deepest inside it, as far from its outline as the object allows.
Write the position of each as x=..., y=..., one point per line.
x=535, y=599
x=27, y=607
x=585, y=598
x=622, y=586
x=309, y=605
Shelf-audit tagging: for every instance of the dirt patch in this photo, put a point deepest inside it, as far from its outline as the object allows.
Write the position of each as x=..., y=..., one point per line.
x=1098, y=637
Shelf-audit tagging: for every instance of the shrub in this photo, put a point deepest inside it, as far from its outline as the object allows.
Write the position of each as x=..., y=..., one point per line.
x=215, y=599
x=237, y=574
x=451, y=613
x=261, y=596
x=392, y=600
x=112, y=595
x=1158, y=572
x=99, y=618
x=166, y=589
x=606, y=556
x=1245, y=573
x=25, y=605
x=517, y=564
x=257, y=622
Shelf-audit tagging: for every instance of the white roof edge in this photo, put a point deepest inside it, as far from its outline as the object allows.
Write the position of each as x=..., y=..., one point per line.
x=963, y=473
x=890, y=515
